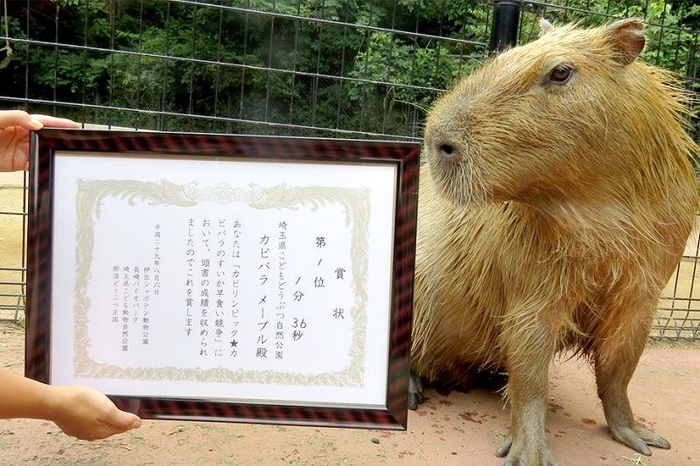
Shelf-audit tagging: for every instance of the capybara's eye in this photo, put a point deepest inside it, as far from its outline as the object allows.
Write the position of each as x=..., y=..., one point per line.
x=560, y=74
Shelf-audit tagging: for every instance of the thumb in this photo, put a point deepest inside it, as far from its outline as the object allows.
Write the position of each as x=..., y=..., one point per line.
x=125, y=420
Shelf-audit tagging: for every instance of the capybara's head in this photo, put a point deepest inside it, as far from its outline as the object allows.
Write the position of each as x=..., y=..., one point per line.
x=554, y=118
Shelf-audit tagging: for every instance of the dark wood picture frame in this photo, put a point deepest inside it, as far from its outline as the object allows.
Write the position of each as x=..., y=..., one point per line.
x=48, y=144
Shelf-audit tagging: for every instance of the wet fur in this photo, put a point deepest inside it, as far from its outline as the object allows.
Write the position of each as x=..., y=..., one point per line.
x=551, y=217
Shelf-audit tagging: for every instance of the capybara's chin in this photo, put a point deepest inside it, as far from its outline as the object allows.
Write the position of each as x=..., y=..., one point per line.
x=556, y=204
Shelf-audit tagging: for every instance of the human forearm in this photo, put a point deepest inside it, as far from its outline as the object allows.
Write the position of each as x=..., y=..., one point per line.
x=23, y=397
x=78, y=411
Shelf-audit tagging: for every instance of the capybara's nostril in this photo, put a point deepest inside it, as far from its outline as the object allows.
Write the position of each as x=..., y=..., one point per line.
x=446, y=149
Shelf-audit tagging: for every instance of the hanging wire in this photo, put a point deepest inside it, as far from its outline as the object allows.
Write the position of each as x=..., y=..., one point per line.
x=6, y=61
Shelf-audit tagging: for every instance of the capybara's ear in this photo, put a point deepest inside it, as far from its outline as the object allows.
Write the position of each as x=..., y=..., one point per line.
x=545, y=27
x=627, y=38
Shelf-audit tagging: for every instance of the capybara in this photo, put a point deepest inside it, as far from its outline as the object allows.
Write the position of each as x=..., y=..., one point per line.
x=558, y=202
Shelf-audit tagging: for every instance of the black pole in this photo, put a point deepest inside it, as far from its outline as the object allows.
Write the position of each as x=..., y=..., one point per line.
x=506, y=19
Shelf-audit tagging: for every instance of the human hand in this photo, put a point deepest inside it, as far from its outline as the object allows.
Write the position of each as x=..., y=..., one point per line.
x=14, y=136
x=88, y=414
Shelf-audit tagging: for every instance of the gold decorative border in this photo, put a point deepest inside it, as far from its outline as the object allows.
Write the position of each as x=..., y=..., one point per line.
x=355, y=202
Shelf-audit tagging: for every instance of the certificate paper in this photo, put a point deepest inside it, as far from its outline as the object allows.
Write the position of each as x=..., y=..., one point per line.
x=182, y=282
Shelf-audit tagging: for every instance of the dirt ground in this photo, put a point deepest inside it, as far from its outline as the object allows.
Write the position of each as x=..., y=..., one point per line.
x=448, y=429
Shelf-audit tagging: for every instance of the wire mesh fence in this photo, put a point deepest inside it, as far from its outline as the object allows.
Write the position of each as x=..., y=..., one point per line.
x=13, y=210
x=303, y=68
x=325, y=68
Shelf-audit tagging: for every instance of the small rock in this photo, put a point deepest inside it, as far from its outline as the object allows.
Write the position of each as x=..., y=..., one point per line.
x=375, y=440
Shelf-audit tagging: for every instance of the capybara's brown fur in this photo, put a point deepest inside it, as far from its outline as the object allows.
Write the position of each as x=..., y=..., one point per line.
x=558, y=201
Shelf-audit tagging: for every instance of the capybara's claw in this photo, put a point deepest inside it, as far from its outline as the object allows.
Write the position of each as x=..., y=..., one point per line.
x=504, y=447
x=523, y=454
x=639, y=438
x=414, y=400
x=415, y=392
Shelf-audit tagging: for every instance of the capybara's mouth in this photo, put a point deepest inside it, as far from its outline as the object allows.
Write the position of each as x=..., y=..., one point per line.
x=459, y=182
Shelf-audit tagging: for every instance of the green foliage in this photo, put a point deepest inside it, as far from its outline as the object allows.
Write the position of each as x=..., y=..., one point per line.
x=352, y=65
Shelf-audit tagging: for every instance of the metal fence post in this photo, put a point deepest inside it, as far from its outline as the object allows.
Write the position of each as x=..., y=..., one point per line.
x=504, y=30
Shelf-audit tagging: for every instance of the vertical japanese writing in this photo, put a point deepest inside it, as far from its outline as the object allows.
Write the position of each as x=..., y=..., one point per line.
x=146, y=321
x=264, y=282
x=236, y=263
x=131, y=302
x=126, y=292
x=298, y=323
x=339, y=312
x=136, y=297
x=220, y=285
x=319, y=281
x=281, y=288
x=189, y=279
x=115, y=294
x=204, y=284
x=156, y=260
x=243, y=291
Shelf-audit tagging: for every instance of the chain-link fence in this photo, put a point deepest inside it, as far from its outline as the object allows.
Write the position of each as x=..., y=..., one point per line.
x=328, y=68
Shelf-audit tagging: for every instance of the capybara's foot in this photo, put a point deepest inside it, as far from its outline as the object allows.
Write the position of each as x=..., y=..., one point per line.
x=415, y=391
x=525, y=453
x=638, y=438
x=621, y=421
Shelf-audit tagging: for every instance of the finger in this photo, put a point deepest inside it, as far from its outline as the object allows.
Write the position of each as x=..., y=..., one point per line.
x=48, y=120
x=21, y=118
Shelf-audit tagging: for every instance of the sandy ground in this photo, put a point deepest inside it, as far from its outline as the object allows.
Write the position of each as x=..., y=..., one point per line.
x=450, y=428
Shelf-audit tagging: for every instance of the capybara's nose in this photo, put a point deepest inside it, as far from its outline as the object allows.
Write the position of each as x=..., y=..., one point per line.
x=441, y=144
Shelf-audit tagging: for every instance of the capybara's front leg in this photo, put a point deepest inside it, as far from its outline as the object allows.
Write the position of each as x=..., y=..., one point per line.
x=525, y=444
x=615, y=360
x=527, y=392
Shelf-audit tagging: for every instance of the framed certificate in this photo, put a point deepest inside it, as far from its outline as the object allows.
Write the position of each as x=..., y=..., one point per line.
x=224, y=278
